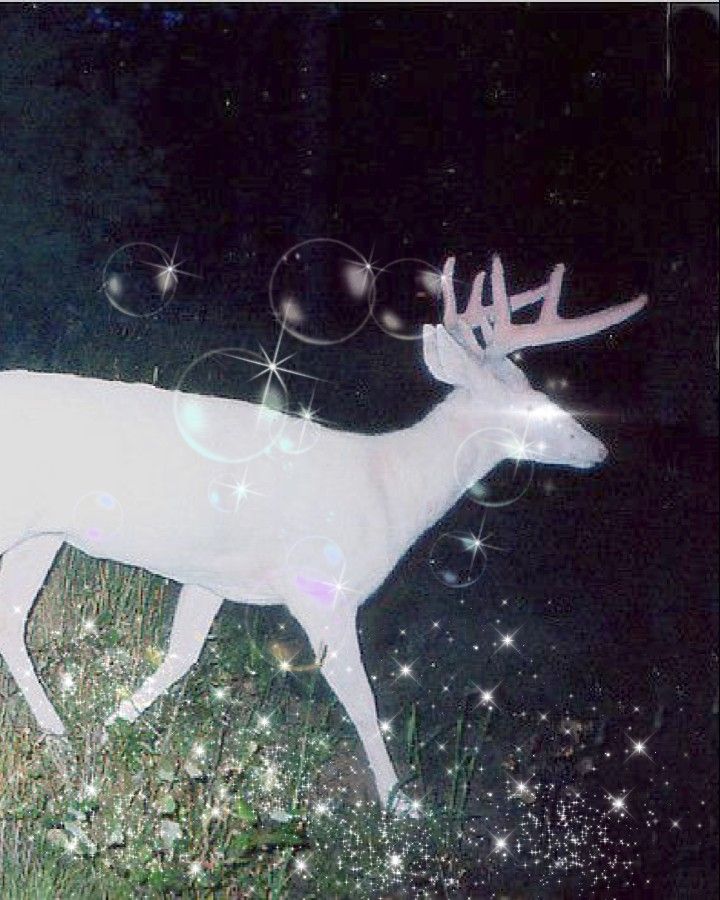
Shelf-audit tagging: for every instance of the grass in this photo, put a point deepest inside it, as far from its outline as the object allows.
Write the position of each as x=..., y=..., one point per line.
x=243, y=781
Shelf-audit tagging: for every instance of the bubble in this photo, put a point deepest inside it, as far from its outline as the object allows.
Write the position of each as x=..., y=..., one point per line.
x=322, y=291
x=139, y=279
x=229, y=494
x=407, y=293
x=97, y=516
x=315, y=569
x=225, y=429
x=508, y=480
x=299, y=435
x=456, y=559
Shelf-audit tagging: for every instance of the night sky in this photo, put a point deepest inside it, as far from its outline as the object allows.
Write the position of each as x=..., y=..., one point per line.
x=585, y=134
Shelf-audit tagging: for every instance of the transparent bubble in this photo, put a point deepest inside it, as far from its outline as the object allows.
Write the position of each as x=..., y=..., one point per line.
x=228, y=493
x=214, y=421
x=139, y=279
x=456, y=559
x=299, y=435
x=322, y=291
x=315, y=568
x=507, y=481
x=97, y=516
x=407, y=293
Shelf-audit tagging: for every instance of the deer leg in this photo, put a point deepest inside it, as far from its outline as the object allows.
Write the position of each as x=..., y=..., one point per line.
x=344, y=671
x=22, y=573
x=194, y=616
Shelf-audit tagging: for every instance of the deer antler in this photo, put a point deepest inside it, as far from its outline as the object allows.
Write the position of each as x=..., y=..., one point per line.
x=500, y=336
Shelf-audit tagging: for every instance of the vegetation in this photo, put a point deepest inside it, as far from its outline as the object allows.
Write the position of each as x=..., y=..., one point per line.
x=242, y=782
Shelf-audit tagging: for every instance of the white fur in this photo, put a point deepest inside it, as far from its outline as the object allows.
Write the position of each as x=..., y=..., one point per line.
x=67, y=441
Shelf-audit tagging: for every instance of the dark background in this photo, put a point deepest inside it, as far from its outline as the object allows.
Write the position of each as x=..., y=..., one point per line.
x=586, y=134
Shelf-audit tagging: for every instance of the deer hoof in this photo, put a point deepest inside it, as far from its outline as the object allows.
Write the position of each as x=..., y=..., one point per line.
x=405, y=807
x=53, y=727
x=127, y=711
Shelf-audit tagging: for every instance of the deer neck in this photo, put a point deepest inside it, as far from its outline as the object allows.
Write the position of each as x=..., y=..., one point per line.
x=424, y=476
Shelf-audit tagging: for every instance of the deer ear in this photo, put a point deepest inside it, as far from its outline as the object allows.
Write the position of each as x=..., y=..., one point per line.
x=446, y=359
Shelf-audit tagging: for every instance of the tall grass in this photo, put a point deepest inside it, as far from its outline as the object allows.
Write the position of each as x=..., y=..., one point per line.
x=243, y=781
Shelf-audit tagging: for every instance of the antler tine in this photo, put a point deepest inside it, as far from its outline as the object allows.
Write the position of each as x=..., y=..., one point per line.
x=474, y=313
x=549, y=309
x=527, y=298
x=450, y=316
x=550, y=328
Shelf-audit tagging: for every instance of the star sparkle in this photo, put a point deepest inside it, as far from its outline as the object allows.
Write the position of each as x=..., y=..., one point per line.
x=167, y=274
x=638, y=748
x=475, y=543
x=507, y=641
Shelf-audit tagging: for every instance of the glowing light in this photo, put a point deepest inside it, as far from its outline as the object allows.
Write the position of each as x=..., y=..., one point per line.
x=487, y=697
x=478, y=543
x=638, y=747
x=507, y=641
x=167, y=275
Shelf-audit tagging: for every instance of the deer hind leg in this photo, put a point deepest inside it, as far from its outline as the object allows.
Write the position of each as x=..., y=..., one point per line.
x=334, y=640
x=194, y=616
x=22, y=573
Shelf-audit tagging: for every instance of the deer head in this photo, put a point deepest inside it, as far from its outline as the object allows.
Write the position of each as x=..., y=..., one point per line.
x=490, y=389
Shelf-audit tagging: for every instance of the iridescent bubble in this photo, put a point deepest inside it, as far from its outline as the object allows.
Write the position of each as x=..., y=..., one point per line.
x=228, y=493
x=216, y=423
x=139, y=279
x=315, y=569
x=407, y=294
x=507, y=481
x=97, y=516
x=299, y=435
x=457, y=559
x=322, y=291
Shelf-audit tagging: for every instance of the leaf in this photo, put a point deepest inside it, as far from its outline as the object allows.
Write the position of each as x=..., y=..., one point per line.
x=170, y=831
x=266, y=838
x=167, y=805
x=244, y=811
x=165, y=773
x=193, y=769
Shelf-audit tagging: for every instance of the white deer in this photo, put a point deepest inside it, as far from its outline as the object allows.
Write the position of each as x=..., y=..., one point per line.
x=77, y=448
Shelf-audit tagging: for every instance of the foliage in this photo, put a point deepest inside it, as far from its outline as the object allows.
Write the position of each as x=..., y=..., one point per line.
x=231, y=785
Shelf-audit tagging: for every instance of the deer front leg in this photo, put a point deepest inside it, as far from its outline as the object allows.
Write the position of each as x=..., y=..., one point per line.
x=344, y=671
x=22, y=573
x=194, y=616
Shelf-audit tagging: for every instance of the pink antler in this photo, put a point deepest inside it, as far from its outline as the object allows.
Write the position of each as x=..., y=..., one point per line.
x=500, y=336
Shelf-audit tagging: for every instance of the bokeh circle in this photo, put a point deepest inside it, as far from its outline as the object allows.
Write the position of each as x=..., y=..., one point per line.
x=210, y=413
x=506, y=482
x=407, y=295
x=139, y=279
x=97, y=516
x=456, y=559
x=322, y=291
